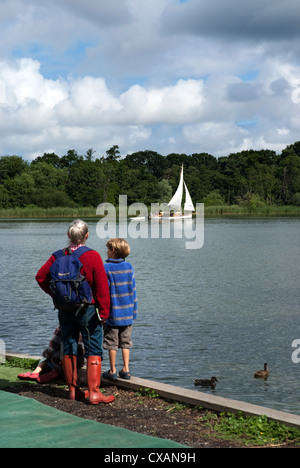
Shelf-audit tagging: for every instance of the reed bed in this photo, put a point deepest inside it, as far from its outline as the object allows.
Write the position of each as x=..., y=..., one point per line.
x=265, y=210
x=35, y=212
x=43, y=213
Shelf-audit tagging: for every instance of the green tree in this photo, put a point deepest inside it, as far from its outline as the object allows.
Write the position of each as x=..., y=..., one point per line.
x=4, y=197
x=90, y=154
x=45, y=198
x=289, y=172
x=49, y=158
x=85, y=183
x=19, y=190
x=163, y=193
x=113, y=154
x=47, y=176
x=11, y=166
x=214, y=198
x=69, y=159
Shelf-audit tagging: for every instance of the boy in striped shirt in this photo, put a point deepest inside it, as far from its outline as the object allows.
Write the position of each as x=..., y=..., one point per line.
x=123, y=307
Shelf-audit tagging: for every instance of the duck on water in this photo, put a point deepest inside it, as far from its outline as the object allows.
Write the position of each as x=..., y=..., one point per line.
x=206, y=382
x=262, y=374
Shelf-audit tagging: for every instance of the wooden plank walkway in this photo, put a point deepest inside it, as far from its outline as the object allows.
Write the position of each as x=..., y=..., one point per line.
x=212, y=402
x=197, y=398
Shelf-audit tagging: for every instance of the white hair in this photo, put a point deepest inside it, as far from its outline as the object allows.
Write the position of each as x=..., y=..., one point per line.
x=77, y=231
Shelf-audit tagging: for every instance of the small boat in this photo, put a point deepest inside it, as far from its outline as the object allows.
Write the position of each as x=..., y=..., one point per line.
x=206, y=383
x=175, y=204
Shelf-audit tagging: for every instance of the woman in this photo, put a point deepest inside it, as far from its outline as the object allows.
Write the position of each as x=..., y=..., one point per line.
x=86, y=318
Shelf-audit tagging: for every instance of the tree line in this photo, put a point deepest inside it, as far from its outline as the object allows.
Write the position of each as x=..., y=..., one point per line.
x=246, y=178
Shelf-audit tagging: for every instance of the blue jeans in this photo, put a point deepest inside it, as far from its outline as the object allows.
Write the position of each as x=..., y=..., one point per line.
x=85, y=322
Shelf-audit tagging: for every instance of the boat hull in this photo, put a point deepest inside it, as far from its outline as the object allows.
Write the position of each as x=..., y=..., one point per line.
x=171, y=218
x=162, y=218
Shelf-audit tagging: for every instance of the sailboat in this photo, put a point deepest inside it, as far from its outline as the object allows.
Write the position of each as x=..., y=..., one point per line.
x=175, y=204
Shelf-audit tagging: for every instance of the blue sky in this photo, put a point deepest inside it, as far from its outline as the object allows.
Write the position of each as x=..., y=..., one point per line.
x=215, y=76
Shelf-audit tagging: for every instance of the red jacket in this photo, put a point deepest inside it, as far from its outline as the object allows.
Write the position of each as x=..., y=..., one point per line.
x=94, y=272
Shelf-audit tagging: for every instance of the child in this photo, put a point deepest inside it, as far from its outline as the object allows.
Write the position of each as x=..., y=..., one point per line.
x=49, y=367
x=123, y=307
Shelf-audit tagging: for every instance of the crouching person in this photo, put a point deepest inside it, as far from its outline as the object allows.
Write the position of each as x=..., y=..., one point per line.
x=76, y=280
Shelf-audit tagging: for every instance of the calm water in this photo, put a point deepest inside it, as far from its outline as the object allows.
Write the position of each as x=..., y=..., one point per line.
x=222, y=310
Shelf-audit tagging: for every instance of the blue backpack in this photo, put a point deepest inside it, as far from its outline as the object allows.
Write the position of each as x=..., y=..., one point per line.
x=69, y=288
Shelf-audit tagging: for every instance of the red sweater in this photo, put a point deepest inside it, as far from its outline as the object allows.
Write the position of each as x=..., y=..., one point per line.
x=94, y=272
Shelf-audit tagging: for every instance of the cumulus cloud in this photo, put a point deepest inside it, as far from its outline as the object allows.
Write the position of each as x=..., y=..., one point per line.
x=164, y=75
x=40, y=114
x=83, y=111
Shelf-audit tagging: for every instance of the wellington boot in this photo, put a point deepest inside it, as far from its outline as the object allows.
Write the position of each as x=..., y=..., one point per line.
x=46, y=378
x=69, y=364
x=93, y=380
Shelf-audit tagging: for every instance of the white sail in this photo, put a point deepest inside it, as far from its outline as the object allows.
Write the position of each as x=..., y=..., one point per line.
x=175, y=203
x=188, y=206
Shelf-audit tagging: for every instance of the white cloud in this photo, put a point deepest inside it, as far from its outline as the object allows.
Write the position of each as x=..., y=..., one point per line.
x=219, y=115
x=22, y=82
x=84, y=111
x=173, y=104
x=163, y=75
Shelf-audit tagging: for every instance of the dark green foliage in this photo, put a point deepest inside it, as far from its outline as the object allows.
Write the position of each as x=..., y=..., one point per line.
x=251, y=178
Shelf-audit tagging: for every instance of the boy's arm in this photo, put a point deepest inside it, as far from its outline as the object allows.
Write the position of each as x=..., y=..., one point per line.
x=106, y=268
x=100, y=289
x=135, y=305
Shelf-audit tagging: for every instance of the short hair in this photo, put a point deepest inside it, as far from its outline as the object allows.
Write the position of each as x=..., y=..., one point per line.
x=120, y=247
x=77, y=231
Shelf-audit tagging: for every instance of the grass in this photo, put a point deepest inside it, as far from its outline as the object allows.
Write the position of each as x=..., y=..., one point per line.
x=148, y=392
x=250, y=430
x=255, y=430
x=35, y=212
x=25, y=363
x=265, y=210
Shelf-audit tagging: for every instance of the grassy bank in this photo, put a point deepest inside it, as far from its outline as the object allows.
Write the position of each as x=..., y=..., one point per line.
x=265, y=210
x=33, y=212
x=236, y=430
x=44, y=213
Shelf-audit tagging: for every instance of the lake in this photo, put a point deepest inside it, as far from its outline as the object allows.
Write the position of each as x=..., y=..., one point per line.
x=222, y=310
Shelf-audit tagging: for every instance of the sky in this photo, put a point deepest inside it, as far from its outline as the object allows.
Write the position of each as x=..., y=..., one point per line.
x=182, y=76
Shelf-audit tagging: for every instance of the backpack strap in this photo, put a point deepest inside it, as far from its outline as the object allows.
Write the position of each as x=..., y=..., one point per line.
x=58, y=253
x=81, y=250
x=78, y=252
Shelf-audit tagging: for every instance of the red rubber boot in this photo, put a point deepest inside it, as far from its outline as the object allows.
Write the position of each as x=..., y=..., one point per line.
x=70, y=370
x=93, y=380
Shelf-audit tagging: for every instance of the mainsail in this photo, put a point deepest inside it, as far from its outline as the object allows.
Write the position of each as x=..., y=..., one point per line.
x=176, y=201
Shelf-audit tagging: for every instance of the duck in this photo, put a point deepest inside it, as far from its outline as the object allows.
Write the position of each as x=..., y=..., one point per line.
x=206, y=383
x=262, y=374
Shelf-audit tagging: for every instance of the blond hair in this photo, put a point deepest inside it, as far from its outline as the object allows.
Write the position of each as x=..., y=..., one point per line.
x=120, y=247
x=77, y=232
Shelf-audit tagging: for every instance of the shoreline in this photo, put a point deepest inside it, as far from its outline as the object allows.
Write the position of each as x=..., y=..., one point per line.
x=191, y=397
x=233, y=211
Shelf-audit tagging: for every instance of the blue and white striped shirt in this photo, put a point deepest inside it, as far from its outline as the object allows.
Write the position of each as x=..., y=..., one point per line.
x=123, y=298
